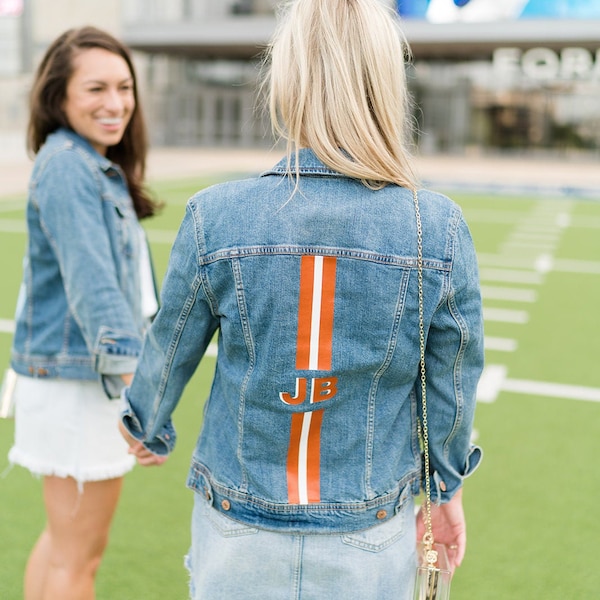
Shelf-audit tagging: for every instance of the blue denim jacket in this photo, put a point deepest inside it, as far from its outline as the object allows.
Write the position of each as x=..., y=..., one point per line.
x=79, y=310
x=311, y=422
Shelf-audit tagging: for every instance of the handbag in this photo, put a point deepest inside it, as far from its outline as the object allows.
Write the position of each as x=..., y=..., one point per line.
x=7, y=395
x=433, y=572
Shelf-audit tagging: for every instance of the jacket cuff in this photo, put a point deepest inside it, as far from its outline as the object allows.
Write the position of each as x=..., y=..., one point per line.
x=116, y=351
x=444, y=488
x=161, y=444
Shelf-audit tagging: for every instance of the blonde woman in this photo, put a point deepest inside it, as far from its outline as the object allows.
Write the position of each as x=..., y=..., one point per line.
x=308, y=458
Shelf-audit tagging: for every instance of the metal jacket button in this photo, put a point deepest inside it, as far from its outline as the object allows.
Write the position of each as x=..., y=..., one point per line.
x=381, y=514
x=225, y=504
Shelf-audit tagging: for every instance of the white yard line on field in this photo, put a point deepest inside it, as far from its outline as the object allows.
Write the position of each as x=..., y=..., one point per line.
x=585, y=222
x=505, y=315
x=504, y=262
x=500, y=344
x=517, y=246
x=564, y=265
x=494, y=380
x=539, y=235
x=510, y=276
x=13, y=226
x=7, y=326
x=506, y=265
x=511, y=294
x=11, y=205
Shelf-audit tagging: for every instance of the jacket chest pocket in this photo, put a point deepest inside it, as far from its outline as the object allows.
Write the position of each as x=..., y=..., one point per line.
x=122, y=225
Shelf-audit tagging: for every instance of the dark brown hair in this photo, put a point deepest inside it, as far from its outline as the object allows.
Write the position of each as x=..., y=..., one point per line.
x=46, y=108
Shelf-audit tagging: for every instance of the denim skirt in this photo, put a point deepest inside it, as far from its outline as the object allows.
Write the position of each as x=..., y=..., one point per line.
x=229, y=560
x=68, y=428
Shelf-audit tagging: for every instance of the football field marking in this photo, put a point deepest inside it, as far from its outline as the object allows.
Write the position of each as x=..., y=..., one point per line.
x=512, y=294
x=500, y=344
x=7, y=326
x=510, y=276
x=494, y=380
x=544, y=263
x=565, y=265
x=13, y=226
x=506, y=266
x=11, y=205
x=540, y=236
x=505, y=315
x=520, y=245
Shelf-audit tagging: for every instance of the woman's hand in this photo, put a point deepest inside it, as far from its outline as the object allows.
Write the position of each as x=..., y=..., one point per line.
x=143, y=455
x=127, y=378
x=449, y=528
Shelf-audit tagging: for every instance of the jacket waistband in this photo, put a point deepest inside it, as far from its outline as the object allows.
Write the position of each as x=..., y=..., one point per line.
x=301, y=519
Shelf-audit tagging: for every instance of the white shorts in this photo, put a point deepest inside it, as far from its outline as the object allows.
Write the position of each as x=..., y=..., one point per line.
x=68, y=428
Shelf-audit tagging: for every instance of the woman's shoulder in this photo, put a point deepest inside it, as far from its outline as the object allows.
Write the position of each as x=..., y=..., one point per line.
x=437, y=198
x=60, y=140
x=236, y=190
x=64, y=163
x=64, y=154
x=436, y=205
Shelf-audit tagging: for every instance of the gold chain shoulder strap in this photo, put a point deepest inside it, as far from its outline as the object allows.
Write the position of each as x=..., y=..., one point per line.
x=428, y=541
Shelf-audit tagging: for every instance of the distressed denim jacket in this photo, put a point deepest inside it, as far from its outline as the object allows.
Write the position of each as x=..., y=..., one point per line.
x=79, y=309
x=311, y=421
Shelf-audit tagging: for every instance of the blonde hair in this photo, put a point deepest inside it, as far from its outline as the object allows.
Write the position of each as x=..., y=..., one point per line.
x=337, y=84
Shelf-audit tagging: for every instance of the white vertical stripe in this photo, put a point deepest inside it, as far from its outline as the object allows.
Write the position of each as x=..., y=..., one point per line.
x=303, y=459
x=315, y=318
x=311, y=396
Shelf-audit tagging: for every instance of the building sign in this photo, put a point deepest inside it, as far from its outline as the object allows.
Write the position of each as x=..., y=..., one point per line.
x=452, y=11
x=544, y=64
x=11, y=8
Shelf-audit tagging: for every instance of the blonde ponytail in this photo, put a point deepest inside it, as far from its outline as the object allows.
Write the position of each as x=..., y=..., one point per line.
x=337, y=85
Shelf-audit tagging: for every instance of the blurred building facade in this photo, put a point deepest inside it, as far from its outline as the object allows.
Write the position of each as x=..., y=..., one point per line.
x=516, y=75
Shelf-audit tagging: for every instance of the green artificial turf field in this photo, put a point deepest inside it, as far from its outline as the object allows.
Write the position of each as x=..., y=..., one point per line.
x=531, y=511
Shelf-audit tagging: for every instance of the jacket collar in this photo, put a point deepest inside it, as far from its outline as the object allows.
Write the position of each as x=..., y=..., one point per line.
x=80, y=142
x=308, y=164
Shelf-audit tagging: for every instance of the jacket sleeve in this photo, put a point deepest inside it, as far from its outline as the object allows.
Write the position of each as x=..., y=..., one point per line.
x=173, y=347
x=454, y=362
x=68, y=198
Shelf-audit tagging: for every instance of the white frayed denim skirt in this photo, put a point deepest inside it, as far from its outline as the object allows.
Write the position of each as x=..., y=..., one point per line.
x=68, y=428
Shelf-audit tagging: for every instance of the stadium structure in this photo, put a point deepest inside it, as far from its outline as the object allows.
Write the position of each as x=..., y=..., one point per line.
x=516, y=75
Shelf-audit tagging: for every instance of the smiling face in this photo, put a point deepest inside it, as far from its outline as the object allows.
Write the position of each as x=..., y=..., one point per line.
x=99, y=97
